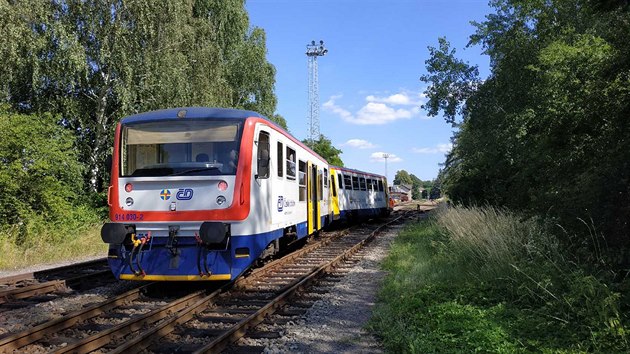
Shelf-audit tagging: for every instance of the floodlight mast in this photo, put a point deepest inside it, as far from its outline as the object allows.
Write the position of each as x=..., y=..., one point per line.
x=313, y=51
x=386, y=156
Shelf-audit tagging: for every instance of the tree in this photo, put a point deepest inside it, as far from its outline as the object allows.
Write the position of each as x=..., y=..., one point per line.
x=278, y=119
x=93, y=62
x=402, y=177
x=531, y=134
x=324, y=148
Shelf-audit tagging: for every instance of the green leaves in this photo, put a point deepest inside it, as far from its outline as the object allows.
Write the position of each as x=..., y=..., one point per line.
x=324, y=148
x=93, y=62
x=451, y=81
x=39, y=171
x=546, y=131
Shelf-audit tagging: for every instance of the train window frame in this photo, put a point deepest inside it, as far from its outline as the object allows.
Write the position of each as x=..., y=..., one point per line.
x=325, y=178
x=368, y=182
x=347, y=182
x=362, y=184
x=380, y=185
x=280, y=159
x=355, y=183
x=340, y=180
x=262, y=166
x=290, y=162
x=302, y=180
x=320, y=181
x=332, y=187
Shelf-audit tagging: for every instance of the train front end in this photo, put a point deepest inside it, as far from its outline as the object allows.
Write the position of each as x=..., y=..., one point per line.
x=179, y=184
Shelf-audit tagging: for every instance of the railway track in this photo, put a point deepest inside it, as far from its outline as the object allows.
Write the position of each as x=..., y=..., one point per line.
x=27, y=289
x=200, y=321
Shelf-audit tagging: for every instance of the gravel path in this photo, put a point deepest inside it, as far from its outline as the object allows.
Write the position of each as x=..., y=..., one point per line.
x=335, y=323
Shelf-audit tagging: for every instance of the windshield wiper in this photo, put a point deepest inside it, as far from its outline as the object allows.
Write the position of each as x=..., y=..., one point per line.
x=194, y=170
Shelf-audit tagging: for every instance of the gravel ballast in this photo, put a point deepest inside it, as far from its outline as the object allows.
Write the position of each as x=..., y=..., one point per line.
x=335, y=323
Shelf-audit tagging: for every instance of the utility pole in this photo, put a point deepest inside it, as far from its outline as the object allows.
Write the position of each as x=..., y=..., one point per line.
x=312, y=52
x=386, y=156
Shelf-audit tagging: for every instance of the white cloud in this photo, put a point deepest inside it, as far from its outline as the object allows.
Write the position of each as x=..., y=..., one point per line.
x=398, y=99
x=379, y=110
x=380, y=113
x=379, y=157
x=359, y=144
x=439, y=148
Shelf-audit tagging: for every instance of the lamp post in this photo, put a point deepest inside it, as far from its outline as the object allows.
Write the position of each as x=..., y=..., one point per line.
x=386, y=156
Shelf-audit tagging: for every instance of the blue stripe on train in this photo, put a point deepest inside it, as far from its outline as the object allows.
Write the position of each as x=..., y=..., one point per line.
x=189, y=258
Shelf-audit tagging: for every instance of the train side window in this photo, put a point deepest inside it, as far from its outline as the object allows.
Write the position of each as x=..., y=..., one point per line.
x=319, y=182
x=280, y=159
x=347, y=181
x=340, y=180
x=302, y=180
x=355, y=183
x=332, y=185
x=325, y=178
x=369, y=184
x=290, y=163
x=263, y=155
x=362, y=183
x=380, y=185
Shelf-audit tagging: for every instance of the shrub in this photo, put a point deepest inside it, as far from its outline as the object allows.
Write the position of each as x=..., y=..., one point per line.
x=39, y=169
x=481, y=279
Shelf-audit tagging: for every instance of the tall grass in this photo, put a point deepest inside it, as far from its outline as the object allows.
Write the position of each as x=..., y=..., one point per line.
x=39, y=241
x=482, y=279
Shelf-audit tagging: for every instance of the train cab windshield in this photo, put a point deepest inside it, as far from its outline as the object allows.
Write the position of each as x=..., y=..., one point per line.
x=180, y=148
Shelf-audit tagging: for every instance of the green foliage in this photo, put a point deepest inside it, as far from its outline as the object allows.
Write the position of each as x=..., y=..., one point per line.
x=39, y=171
x=402, y=177
x=324, y=148
x=545, y=133
x=451, y=81
x=93, y=62
x=278, y=119
x=482, y=280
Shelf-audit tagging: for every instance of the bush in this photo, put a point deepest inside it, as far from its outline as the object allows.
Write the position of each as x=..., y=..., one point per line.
x=481, y=279
x=39, y=169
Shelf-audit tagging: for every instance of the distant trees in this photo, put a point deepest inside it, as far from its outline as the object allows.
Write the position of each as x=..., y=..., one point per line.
x=324, y=148
x=92, y=62
x=547, y=131
x=404, y=177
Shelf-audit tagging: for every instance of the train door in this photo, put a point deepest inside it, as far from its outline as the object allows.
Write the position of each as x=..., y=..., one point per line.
x=334, y=196
x=312, y=188
x=262, y=186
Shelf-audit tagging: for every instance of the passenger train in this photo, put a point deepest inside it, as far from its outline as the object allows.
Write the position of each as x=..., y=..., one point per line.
x=201, y=194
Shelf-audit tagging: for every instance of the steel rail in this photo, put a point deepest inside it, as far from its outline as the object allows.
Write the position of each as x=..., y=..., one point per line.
x=20, y=339
x=254, y=319
x=47, y=287
x=146, y=339
x=47, y=273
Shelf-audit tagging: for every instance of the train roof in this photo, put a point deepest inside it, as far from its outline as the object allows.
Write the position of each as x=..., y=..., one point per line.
x=191, y=112
x=356, y=171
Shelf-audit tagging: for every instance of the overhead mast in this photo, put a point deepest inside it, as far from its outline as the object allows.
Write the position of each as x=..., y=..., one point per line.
x=313, y=51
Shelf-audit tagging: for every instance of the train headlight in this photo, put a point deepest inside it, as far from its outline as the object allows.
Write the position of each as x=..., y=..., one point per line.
x=129, y=201
x=222, y=186
x=220, y=200
x=128, y=187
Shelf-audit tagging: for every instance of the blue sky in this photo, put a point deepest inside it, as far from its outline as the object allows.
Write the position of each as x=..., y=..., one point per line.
x=369, y=84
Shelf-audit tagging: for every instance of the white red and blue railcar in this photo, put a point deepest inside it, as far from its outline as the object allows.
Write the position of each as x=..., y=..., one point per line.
x=200, y=194
x=360, y=195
